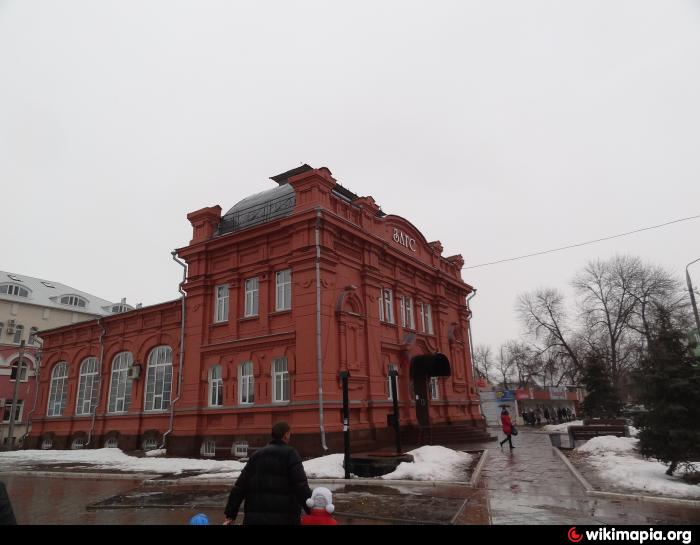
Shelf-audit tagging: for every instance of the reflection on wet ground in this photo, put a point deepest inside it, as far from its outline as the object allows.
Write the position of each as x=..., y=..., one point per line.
x=528, y=485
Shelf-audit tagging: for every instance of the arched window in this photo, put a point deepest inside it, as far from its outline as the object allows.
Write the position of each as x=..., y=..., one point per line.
x=120, y=385
x=208, y=448
x=216, y=387
x=14, y=289
x=73, y=301
x=112, y=442
x=246, y=383
x=159, y=379
x=88, y=386
x=150, y=444
x=58, y=390
x=78, y=443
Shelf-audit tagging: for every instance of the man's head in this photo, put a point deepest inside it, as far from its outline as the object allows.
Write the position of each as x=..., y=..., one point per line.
x=281, y=432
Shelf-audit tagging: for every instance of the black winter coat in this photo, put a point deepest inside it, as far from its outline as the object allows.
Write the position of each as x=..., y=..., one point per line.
x=274, y=486
x=6, y=514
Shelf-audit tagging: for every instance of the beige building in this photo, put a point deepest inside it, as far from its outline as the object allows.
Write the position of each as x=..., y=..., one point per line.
x=27, y=306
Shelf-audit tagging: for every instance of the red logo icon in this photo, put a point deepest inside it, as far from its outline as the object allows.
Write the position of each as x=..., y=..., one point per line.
x=573, y=536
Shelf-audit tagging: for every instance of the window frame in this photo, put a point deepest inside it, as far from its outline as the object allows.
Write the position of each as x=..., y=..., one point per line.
x=216, y=386
x=14, y=290
x=286, y=287
x=284, y=384
x=389, y=367
x=253, y=296
x=246, y=382
x=434, y=387
x=17, y=414
x=87, y=380
x=124, y=359
x=406, y=306
x=221, y=302
x=14, y=367
x=386, y=307
x=57, y=389
x=426, y=317
x=164, y=353
x=73, y=301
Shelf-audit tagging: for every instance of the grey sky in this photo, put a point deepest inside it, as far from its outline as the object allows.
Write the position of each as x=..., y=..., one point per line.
x=499, y=128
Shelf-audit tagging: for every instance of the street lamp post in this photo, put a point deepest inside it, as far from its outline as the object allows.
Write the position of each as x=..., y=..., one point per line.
x=13, y=408
x=692, y=295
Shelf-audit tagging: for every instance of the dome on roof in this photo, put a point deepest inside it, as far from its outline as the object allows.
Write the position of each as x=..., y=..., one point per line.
x=259, y=208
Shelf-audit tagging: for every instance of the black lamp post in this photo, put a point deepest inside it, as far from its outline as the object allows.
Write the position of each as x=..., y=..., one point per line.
x=344, y=375
x=393, y=373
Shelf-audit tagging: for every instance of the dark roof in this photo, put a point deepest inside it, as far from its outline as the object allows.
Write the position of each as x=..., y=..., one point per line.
x=283, y=178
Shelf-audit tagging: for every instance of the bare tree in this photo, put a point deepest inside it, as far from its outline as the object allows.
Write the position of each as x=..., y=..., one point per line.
x=543, y=314
x=483, y=361
x=609, y=306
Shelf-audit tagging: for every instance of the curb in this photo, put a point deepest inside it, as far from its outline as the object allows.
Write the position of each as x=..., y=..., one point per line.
x=479, y=467
x=590, y=491
x=73, y=475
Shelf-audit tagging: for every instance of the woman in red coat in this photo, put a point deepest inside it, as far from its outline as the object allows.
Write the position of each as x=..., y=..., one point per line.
x=507, y=427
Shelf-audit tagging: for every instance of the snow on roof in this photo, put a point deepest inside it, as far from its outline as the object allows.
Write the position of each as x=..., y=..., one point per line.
x=48, y=293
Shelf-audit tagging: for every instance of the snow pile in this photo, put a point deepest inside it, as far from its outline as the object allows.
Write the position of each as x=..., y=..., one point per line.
x=634, y=432
x=158, y=452
x=325, y=467
x=608, y=444
x=433, y=463
x=616, y=461
x=561, y=428
x=115, y=459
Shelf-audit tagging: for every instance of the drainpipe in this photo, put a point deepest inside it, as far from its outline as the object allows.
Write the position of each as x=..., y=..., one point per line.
x=99, y=386
x=471, y=349
x=319, y=363
x=37, y=360
x=182, y=347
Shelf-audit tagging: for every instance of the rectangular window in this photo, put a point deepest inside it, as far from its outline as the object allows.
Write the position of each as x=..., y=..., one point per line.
x=386, y=306
x=18, y=334
x=434, y=391
x=392, y=367
x=246, y=384
x=216, y=387
x=426, y=318
x=284, y=290
x=252, y=297
x=8, y=411
x=280, y=380
x=13, y=373
x=221, y=304
x=407, y=319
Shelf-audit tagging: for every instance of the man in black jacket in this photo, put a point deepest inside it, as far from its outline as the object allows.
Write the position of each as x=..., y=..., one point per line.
x=6, y=514
x=273, y=484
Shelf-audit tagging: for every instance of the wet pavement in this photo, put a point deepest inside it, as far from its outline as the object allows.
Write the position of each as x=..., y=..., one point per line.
x=528, y=485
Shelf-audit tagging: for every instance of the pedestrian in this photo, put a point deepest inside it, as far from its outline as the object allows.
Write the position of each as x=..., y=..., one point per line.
x=531, y=417
x=538, y=415
x=321, y=505
x=507, y=427
x=7, y=516
x=273, y=484
x=546, y=414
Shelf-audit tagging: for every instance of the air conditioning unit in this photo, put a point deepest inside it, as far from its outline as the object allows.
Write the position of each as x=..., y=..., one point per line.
x=134, y=372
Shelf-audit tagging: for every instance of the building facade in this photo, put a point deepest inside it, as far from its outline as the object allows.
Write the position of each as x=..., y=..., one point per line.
x=284, y=292
x=27, y=306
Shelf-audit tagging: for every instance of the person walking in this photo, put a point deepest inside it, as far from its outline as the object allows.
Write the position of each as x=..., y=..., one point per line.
x=507, y=426
x=273, y=484
x=7, y=516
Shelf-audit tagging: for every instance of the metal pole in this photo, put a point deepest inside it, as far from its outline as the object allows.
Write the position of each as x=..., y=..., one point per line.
x=393, y=373
x=347, y=464
x=692, y=295
x=13, y=409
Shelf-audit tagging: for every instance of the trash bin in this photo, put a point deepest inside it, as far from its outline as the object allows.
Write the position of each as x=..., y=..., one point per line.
x=555, y=438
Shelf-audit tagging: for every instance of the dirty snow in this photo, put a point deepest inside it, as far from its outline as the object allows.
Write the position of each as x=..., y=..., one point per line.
x=617, y=462
x=433, y=463
x=562, y=428
x=325, y=467
x=115, y=459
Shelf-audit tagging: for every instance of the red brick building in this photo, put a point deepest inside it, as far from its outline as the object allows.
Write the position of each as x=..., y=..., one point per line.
x=283, y=292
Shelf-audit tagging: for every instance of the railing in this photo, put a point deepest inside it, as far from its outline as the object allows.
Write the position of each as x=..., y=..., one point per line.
x=257, y=214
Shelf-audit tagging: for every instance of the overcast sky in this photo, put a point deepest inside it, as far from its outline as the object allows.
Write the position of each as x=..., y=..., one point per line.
x=499, y=128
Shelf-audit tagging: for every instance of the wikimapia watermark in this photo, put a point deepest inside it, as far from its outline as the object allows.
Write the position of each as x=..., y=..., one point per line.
x=640, y=536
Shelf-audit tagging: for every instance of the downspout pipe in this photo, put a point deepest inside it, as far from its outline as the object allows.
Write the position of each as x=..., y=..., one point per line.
x=182, y=346
x=99, y=375
x=319, y=361
x=469, y=330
